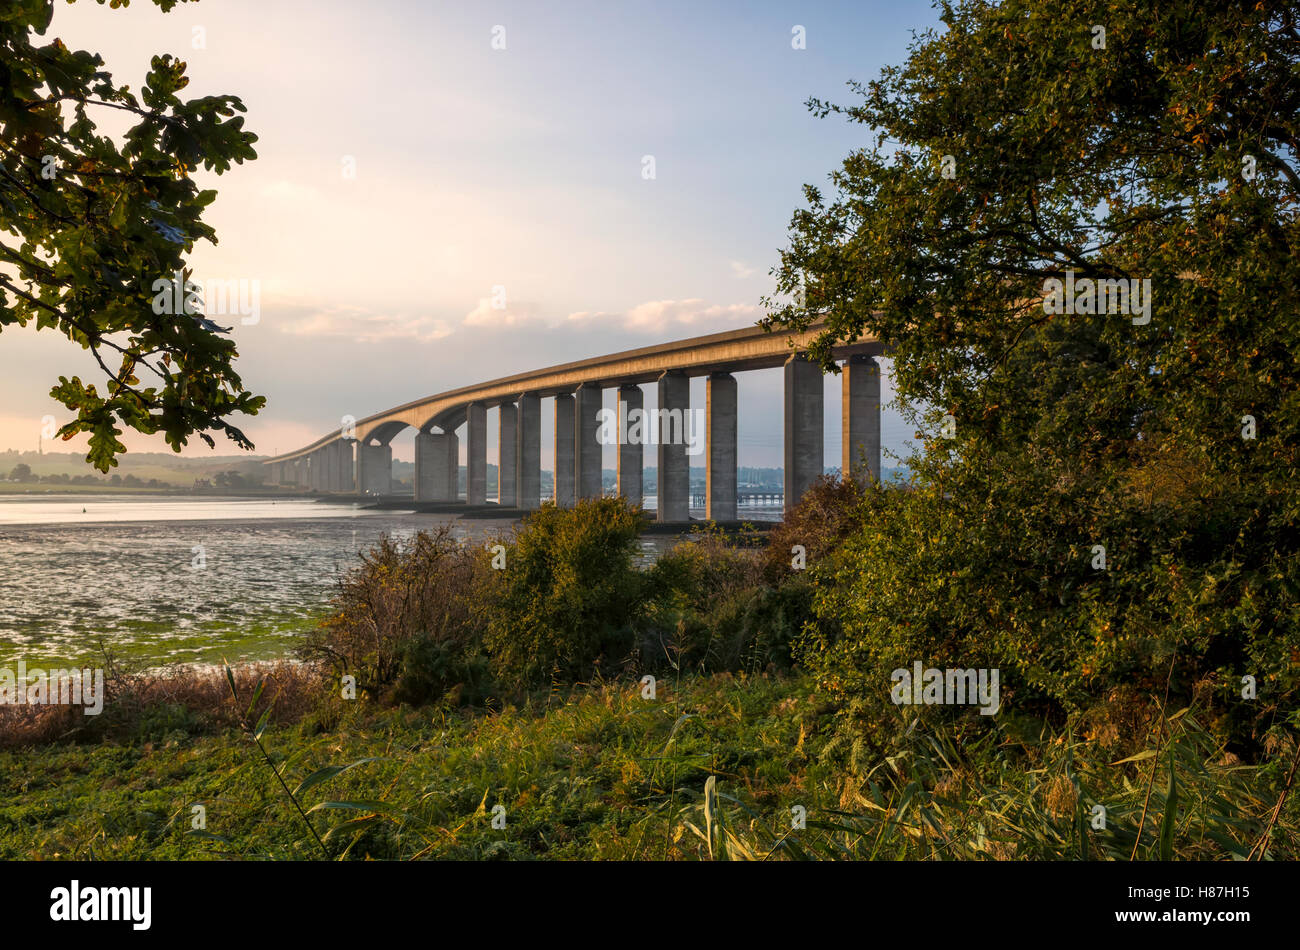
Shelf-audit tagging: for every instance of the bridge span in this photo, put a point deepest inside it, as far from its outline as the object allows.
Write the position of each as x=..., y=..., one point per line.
x=357, y=458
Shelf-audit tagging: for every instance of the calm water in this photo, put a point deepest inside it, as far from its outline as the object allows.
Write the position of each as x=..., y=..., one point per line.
x=177, y=580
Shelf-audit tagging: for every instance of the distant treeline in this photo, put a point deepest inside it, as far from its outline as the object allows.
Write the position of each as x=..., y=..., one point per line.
x=134, y=470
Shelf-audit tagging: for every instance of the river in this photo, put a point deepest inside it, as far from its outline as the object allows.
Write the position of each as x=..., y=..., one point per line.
x=175, y=580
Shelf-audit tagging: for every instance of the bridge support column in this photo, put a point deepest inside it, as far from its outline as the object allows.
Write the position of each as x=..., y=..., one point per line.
x=803, y=427
x=345, y=472
x=476, y=454
x=507, y=467
x=586, y=424
x=720, y=476
x=528, y=452
x=631, y=455
x=432, y=468
x=673, y=492
x=324, y=461
x=453, y=466
x=375, y=469
x=331, y=459
x=298, y=472
x=339, y=452
x=565, y=448
x=860, y=419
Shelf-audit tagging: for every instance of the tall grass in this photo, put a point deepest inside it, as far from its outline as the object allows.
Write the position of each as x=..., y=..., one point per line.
x=935, y=797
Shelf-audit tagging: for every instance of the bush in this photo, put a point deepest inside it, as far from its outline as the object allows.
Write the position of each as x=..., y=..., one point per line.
x=570, y=598
x=409, y=620
x=713, y=612
x=968, y=572
x=699, y=572
x=756, y=628
x=828, y=512
x=431, y=670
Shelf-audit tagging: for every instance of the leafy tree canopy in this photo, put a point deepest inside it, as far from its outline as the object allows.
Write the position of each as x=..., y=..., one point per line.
x=89, y=224
x=1030, y=142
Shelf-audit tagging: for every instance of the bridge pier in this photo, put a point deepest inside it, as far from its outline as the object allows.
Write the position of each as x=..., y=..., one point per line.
x=720, y=474
x=320, y=469
x=565, y=448
x=507, y=494
x=375, y=469
x=528, y=452
x=476, y=454
x=344, y=468
x=586, y=424
x=453, y=465
x=433, y=467
x=673, y=492
x=328, y=475
x=860, y=419
x=804, y=457
x=631, y=457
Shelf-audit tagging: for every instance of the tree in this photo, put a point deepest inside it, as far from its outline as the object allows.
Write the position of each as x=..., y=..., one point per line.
x=22, y=472
x=89, y=226
x=1031, y=143
x=229, y=479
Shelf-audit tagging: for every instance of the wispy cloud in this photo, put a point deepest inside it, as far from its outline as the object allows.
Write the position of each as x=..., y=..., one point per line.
x=741, y=270
x=513, y=315
x=656, y=316
x=363, y=326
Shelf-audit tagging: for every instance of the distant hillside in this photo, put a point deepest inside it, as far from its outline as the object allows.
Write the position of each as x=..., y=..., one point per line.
x=162, y=468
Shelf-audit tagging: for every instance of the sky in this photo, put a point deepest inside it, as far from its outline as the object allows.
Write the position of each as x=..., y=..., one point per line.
x=409, y=171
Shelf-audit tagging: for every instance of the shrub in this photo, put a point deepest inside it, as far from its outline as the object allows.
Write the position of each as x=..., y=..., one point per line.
x=570, y=597
x=408, y=621
x=828, y=512
x=756, y=628
x=713, y=612
x=966, y=571
x=709, y=567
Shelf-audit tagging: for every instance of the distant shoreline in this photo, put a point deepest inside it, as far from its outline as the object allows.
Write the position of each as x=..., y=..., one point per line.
x=44, y=488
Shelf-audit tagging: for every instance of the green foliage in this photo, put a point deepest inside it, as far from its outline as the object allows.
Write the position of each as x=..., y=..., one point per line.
x=827, y=513
x=568, y=598
x=408, y=621
x=432, y=670
x=97, y=222
x=713, y=612
x=600, y=773
x=1074, y=430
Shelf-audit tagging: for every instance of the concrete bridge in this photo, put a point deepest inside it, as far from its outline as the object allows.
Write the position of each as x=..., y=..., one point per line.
x=357, y=459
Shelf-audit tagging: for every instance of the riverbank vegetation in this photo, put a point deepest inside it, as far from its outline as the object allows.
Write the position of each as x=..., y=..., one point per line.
x=477, y=729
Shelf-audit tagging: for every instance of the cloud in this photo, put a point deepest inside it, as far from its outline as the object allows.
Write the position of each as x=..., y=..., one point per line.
x=363, y=326
x=513, y=315
x=741, y=270
x=657, y=316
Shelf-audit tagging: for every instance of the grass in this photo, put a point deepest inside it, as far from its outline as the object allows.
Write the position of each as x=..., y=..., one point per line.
x=712, y=768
